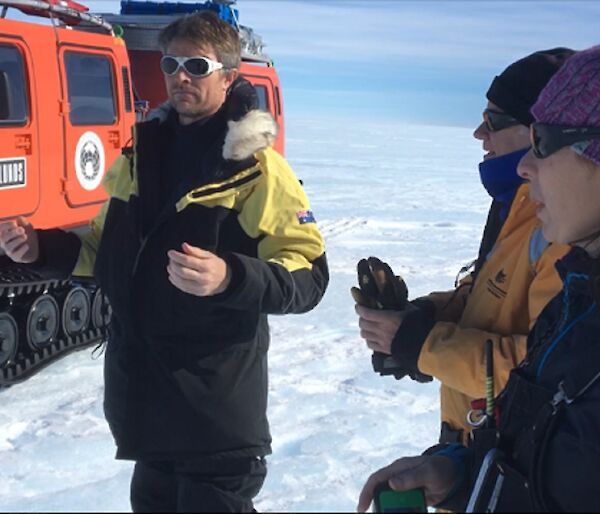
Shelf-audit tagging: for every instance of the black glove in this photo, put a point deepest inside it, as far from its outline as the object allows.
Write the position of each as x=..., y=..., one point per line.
x=378, y=282
x=381, y=289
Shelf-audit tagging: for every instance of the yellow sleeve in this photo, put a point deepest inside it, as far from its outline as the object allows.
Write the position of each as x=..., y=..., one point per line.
x=117, y=183
x=289, y=274
x=449, y=305
x=455, y=355
x=274, y=213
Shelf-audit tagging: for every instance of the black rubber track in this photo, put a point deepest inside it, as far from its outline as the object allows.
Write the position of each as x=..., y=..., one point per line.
x=16, y=285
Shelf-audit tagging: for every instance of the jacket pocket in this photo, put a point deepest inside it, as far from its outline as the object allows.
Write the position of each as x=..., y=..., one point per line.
x=228, y=394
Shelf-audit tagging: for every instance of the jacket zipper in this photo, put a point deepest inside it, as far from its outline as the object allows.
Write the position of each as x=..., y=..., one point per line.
x=144, y=240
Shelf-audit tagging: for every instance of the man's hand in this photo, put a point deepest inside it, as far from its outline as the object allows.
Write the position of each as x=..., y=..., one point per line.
x=378, y=327
x=435, y=474
x=19, y=241
x=197, y=271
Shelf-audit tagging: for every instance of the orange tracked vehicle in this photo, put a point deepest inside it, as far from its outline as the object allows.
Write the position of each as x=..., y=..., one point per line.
x=70, y=92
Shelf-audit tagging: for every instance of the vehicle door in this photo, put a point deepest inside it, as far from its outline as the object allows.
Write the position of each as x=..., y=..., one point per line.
x=19, y=161
x=92, y=125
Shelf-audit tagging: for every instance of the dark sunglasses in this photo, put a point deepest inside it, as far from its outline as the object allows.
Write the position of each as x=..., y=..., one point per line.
x=547, y=139
x=495, y=121
x=194, y=66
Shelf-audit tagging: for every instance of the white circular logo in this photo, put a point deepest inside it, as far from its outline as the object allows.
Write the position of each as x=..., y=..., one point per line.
x=89, y=161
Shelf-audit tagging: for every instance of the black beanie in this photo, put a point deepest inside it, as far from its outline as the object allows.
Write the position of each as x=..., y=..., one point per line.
x=517, y=88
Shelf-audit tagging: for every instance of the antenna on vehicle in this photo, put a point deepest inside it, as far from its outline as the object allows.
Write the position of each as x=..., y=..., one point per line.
x=67, y=11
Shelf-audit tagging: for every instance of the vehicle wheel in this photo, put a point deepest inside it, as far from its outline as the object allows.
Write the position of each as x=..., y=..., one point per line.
x=9, y=338
x=101, y=310
x=76, y=311
x=42, y=322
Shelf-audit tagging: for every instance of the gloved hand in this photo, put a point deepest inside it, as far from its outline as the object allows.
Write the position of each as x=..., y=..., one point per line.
x=381, y=289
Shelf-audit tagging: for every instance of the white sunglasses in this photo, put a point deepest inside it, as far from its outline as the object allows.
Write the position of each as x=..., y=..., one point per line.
x=195, y=66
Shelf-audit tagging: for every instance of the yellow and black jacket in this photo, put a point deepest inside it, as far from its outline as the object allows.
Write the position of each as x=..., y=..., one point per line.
x=514, y=284
x=186, y=376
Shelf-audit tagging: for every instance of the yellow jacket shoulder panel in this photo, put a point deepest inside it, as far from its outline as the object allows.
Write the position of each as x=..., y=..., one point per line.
x=277, y=211
x=117, y=183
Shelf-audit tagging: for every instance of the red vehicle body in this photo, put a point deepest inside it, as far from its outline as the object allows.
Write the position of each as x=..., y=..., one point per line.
x=68, y=97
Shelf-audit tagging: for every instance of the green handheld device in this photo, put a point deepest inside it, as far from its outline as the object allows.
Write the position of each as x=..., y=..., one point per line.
x=387, y=500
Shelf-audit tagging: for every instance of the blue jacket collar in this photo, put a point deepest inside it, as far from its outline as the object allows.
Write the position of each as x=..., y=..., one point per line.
x=499, y=176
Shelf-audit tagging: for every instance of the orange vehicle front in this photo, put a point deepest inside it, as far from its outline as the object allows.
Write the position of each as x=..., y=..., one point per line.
x=67, y=111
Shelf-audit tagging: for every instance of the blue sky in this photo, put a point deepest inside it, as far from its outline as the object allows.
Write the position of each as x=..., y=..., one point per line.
x=423, y=61
x=419, y=61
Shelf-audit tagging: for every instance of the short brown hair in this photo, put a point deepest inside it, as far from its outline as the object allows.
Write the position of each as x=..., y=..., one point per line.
x=205, y=28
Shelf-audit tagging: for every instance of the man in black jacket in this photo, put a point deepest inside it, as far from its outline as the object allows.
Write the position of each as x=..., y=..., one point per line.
x=206, y=233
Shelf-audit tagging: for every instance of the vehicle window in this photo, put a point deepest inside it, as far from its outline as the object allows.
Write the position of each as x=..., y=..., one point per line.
x=13, y=96
x=90, y=86
x=263, y=101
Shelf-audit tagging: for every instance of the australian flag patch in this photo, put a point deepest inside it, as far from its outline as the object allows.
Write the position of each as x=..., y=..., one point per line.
x=305, y=217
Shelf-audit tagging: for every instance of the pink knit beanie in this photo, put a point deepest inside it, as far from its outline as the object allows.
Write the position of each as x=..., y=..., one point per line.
x=572, y=97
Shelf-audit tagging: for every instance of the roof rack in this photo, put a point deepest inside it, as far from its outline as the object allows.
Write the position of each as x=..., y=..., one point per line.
x=142, y=21
x=222, y=8
x=66, y=11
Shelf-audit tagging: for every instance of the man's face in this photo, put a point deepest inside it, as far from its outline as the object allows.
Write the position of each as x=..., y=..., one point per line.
x=192, y=97
x=503, y=141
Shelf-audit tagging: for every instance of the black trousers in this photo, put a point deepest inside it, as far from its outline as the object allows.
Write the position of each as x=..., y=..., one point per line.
x=227, y=485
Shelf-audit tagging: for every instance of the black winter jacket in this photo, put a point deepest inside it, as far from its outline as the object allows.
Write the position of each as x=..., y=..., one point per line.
x=549, y=430
x=186, y=376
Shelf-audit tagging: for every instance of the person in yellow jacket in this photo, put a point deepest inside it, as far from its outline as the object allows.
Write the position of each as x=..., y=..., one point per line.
x=444, y=334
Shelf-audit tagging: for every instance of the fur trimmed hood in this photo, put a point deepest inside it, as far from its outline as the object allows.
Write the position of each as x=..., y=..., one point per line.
x=255, y=131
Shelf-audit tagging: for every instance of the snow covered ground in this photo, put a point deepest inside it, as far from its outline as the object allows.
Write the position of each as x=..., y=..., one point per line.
x=409, y=195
